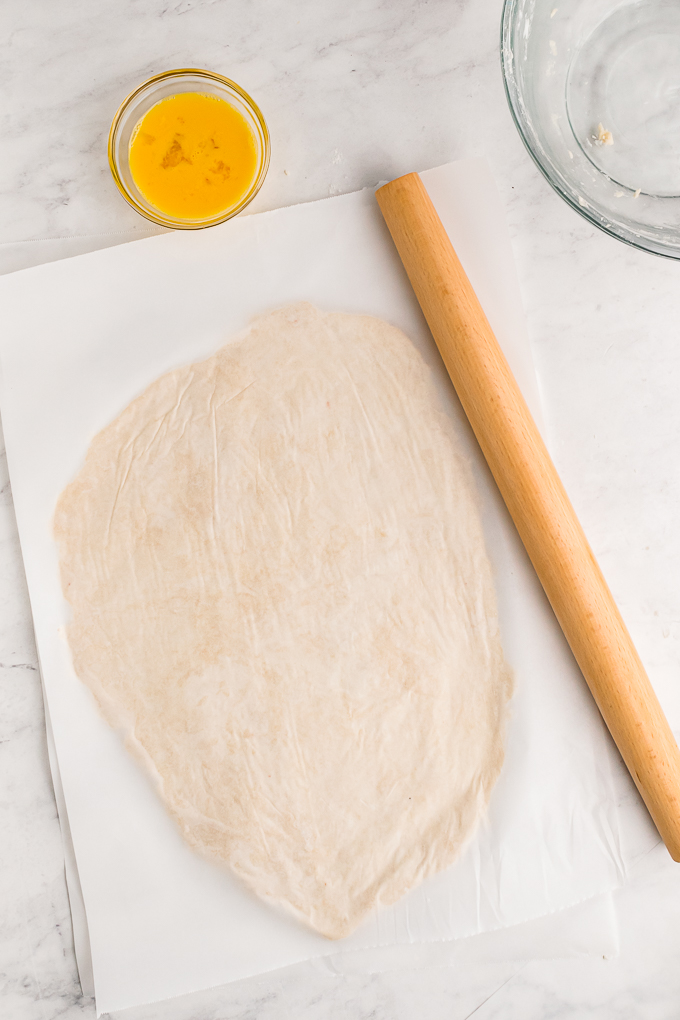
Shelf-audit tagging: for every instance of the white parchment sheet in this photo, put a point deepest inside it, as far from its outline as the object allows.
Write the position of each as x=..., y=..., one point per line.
x=80, y=339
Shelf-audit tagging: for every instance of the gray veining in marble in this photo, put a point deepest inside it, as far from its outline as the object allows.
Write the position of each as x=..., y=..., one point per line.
x=354, y=93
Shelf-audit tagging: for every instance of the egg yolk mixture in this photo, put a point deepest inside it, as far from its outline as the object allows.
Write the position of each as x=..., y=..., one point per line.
x=193, y=156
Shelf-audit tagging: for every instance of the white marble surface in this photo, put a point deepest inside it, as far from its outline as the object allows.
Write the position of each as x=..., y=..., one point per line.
x=354, y=93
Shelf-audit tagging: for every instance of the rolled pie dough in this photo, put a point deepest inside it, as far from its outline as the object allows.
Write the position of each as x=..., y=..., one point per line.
x=279, y=589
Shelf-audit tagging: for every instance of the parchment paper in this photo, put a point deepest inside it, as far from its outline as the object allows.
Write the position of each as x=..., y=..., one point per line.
x=80, y=339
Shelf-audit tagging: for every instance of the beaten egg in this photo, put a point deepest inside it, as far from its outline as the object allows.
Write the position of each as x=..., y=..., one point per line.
x=193, y=156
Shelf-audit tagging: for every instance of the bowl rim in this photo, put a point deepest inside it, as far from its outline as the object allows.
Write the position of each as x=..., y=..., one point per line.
x=161, y=218
x=602, y=223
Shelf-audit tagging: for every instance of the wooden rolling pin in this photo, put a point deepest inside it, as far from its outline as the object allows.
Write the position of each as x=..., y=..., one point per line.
x=537, y=502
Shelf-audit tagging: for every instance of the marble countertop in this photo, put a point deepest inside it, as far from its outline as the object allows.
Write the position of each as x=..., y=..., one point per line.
x=355, y=93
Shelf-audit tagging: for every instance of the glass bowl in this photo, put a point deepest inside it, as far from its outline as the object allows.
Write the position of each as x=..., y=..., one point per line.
x=594, y=88
x=170, y=83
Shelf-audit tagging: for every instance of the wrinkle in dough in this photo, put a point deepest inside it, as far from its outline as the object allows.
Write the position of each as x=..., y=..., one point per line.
x=280, y=591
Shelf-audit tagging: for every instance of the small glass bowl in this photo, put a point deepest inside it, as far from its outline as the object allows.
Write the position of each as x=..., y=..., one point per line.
x=593, y=87
x=150, y=92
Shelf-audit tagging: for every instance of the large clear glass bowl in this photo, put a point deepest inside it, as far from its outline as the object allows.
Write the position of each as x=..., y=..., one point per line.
x=594, y=88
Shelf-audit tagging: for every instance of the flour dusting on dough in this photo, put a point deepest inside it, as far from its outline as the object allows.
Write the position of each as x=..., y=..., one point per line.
x=279, y=588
